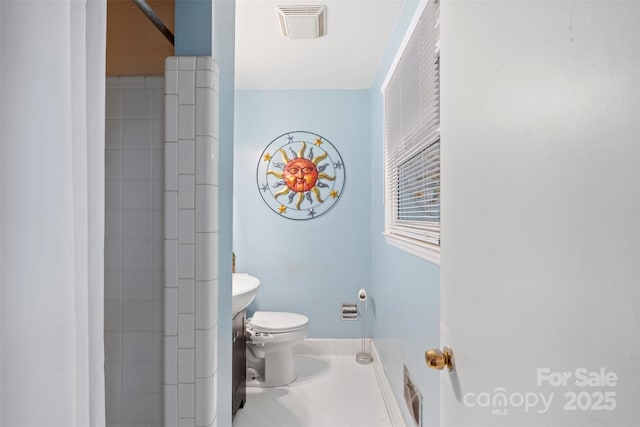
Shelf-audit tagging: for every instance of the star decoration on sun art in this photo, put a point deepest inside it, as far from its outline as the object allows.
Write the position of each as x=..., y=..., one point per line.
x=297, y=178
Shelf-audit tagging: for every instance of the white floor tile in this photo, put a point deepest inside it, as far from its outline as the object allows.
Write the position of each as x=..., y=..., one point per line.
x=331, y=391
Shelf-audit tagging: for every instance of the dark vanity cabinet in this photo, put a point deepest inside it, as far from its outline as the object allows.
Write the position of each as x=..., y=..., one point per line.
x=239, y=356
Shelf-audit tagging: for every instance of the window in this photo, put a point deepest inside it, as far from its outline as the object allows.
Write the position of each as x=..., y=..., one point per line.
x=412, y=141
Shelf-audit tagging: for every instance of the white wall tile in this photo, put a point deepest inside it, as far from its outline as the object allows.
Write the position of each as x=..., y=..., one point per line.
x=171, y=406
x=136, y=315
x=216, y=111
x=205, y=156
x=186, y=63
x=157, y=197
x=186, y=400
x=186, y=192
x=157, y=133
x=112, y=254
x=136, y=104
x=157, y=254
x=171, y=215
x=171, y=82
x=186, y=226
x=112, y=134
x=204, y=401
x=157, y=411
x=113, y=164
x=112, y=285
x=186, y=422
x=171, y=63
x=171, y=166
x=113, y=103
x=170, y=311
x=112, y=346
x=205, y=63
x=204, y=78
x=157, y=316
x=186, y=87
x=186, y=121
x=171, y=263
x=112, y=408
x=214, y=166
x=113, y=225
x=136, y=254
x=204, y=353
x=136, y=285
x=136, y=195
x=158, y=283
x=136, y=134
x=112, y=316
x=157, y=166
x=186, y=157
x=205, y=116
x=186, y=365
x=186, y=262
x=136, y=408
x=171, y=118
x=205, y=256
x=136, y=347
x=113, y=195
x=131, y=81
x=186, y=331
x=154, y=82
x=171, y=360
x=205, y=209
x=136, y=225
x=157, y=345
x=157, y=103
x=205, y=302
x=186, y=296
x=136, y=164
x=112, y=377
x=111, y=82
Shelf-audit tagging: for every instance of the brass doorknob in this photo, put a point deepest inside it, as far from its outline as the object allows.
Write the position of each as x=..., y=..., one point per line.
x=437, y=359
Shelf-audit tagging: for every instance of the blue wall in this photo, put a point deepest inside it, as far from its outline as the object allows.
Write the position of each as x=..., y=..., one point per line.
x=405, y=289
x=310, y=266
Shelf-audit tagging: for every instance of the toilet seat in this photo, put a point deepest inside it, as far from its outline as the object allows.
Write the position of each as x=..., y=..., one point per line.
x=277, y=322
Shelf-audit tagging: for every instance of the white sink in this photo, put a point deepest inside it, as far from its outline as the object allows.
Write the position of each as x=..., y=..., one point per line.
x=243, y=291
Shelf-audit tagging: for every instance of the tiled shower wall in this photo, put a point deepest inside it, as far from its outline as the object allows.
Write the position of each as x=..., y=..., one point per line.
x=134, y=261
x=191, y=241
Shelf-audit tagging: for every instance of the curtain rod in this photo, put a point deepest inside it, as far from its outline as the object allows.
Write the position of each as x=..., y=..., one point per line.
x=144, y=7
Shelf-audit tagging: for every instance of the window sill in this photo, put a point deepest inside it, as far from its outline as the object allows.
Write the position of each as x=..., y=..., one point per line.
x=420, y=249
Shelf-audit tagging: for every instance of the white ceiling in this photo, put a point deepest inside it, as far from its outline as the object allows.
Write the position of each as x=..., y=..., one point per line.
x=358, y=32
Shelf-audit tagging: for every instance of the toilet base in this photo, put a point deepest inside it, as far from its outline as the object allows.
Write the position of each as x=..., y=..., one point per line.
x=274, y=370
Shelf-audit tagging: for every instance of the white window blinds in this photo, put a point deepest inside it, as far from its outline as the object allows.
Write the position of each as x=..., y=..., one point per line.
x=412, y=138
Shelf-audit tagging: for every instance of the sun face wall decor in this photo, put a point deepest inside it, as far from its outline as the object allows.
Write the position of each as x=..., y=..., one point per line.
x=300, y=175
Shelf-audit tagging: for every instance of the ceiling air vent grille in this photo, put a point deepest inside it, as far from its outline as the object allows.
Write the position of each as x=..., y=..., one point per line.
x=302, y=22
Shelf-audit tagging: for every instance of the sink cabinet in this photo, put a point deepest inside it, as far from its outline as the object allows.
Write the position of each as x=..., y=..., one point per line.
x=239, y=372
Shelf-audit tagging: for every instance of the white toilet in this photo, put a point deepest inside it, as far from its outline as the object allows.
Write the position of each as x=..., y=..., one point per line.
x=271, y=336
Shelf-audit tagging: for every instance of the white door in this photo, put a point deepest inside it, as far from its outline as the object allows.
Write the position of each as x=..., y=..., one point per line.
x=540, y=261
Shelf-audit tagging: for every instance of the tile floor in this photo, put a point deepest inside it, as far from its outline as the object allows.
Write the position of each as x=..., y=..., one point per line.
x=331, y=391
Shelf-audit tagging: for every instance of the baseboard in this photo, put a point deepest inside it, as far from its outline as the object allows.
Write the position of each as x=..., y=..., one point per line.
x=385, y=388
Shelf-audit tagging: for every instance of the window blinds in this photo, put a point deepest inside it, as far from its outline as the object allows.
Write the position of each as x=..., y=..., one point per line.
x=412, y=135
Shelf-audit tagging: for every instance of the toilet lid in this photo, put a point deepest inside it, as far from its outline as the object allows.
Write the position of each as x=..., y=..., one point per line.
x=274, y=321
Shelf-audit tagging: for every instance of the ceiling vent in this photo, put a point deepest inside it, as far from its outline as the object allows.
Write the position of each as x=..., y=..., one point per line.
x=302, y=22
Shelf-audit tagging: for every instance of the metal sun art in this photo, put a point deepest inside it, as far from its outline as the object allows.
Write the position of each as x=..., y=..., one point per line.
x=300, y=175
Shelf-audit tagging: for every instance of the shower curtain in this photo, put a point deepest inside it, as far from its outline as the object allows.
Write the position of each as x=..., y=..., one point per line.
x=52, y=80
